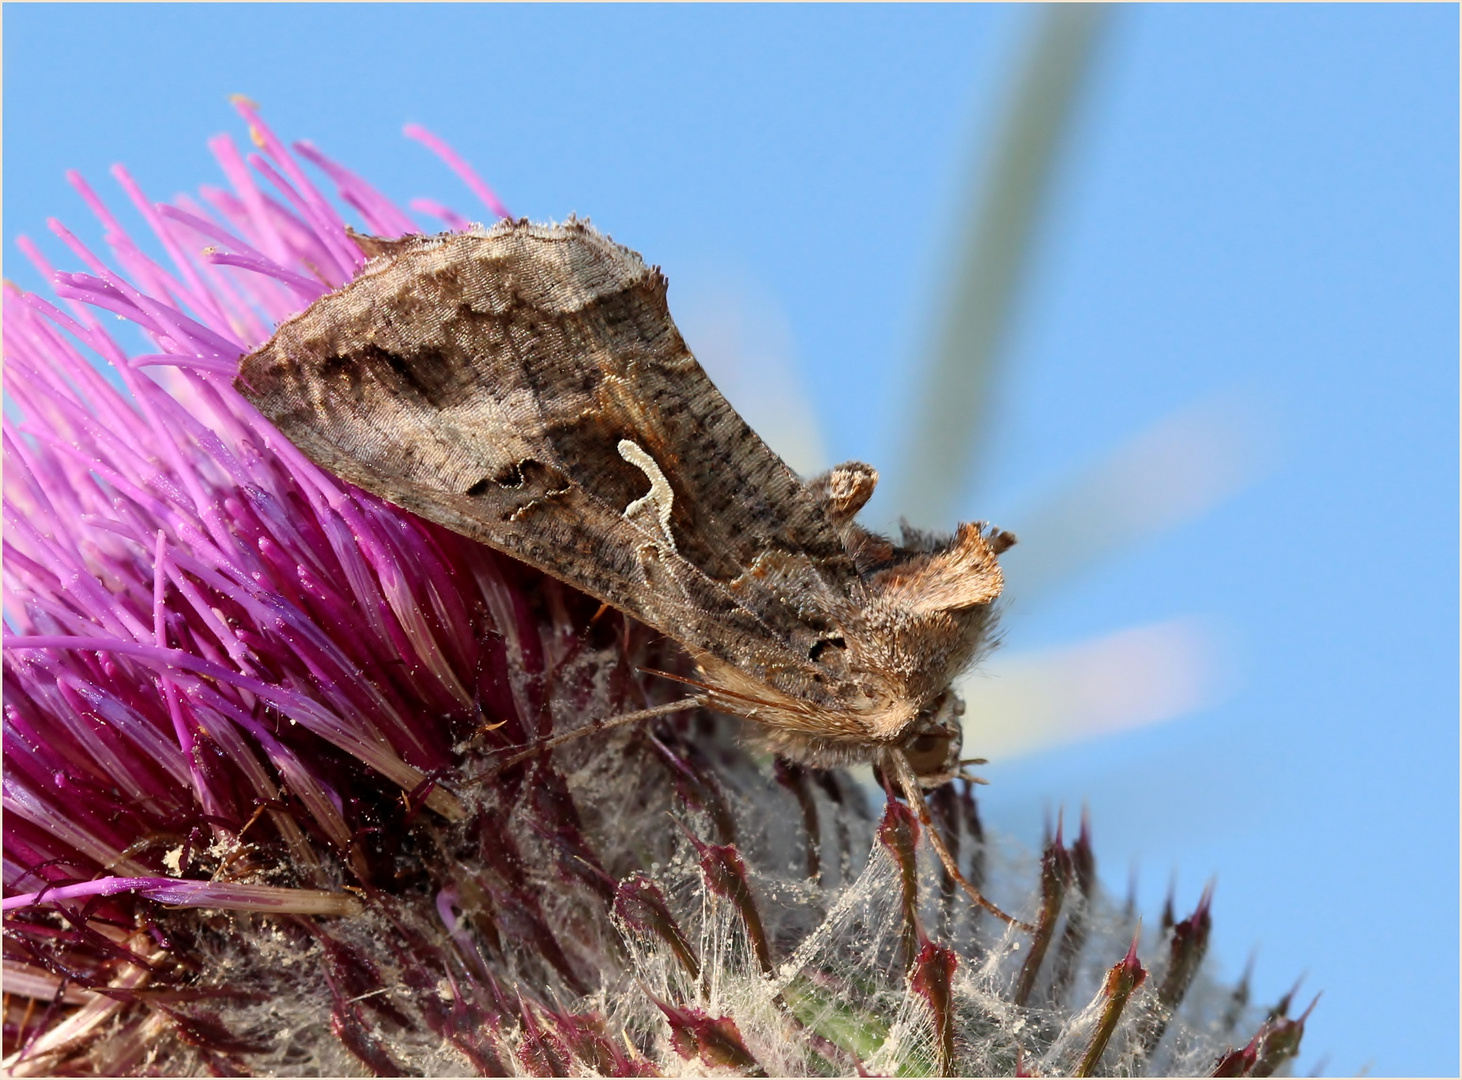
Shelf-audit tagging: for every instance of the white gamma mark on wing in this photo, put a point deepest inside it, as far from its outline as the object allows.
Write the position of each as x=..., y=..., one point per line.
x=658, y=499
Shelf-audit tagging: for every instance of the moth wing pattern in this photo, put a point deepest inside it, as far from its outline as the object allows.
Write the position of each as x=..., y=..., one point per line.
x=526, y=386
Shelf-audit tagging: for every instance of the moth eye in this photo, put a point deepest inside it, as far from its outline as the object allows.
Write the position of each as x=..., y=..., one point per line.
x=925, y=744
x=821, y=645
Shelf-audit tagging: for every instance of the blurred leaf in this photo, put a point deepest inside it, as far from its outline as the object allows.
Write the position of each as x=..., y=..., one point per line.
x=1022, y=703
x=1176, y=470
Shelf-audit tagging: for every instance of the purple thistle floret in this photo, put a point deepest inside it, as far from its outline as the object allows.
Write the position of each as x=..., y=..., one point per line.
x=256, y=818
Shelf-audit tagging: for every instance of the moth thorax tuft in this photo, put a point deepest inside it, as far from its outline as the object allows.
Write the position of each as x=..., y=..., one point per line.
x=962, y=576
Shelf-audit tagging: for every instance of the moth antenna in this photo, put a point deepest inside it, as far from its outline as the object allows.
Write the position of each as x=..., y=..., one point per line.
x=901, y=768
x=714, y=691
x=675, y=678
x=544, y=745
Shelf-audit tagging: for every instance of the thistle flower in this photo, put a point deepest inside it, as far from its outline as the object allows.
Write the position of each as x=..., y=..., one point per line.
x=257, y=819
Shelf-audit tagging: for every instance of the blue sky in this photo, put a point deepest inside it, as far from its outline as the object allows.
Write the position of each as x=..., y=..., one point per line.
x=1256, y=203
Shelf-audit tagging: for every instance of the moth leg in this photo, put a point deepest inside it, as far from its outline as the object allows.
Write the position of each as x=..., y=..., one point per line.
x=652, y=510
x=544, y=745
x=900, y=767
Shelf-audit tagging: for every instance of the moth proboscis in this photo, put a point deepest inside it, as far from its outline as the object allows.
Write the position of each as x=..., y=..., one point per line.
x=525, y=386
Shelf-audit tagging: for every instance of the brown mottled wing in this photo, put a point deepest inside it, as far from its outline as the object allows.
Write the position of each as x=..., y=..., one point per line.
x=485, y=381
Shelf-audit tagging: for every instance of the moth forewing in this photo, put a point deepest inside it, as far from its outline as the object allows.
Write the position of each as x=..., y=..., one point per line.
x=525, y=386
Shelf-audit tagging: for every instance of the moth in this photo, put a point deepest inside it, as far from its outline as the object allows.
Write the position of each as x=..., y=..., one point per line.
x=525, y=386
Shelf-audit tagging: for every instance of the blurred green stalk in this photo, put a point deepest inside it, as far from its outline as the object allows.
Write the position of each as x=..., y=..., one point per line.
x=1008, y=187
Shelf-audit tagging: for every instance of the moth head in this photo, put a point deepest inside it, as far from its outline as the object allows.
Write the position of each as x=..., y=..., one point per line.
x=929, y=611
x=934, y=741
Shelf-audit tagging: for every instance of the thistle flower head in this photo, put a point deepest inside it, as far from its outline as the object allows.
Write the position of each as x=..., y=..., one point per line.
x=257, y=812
